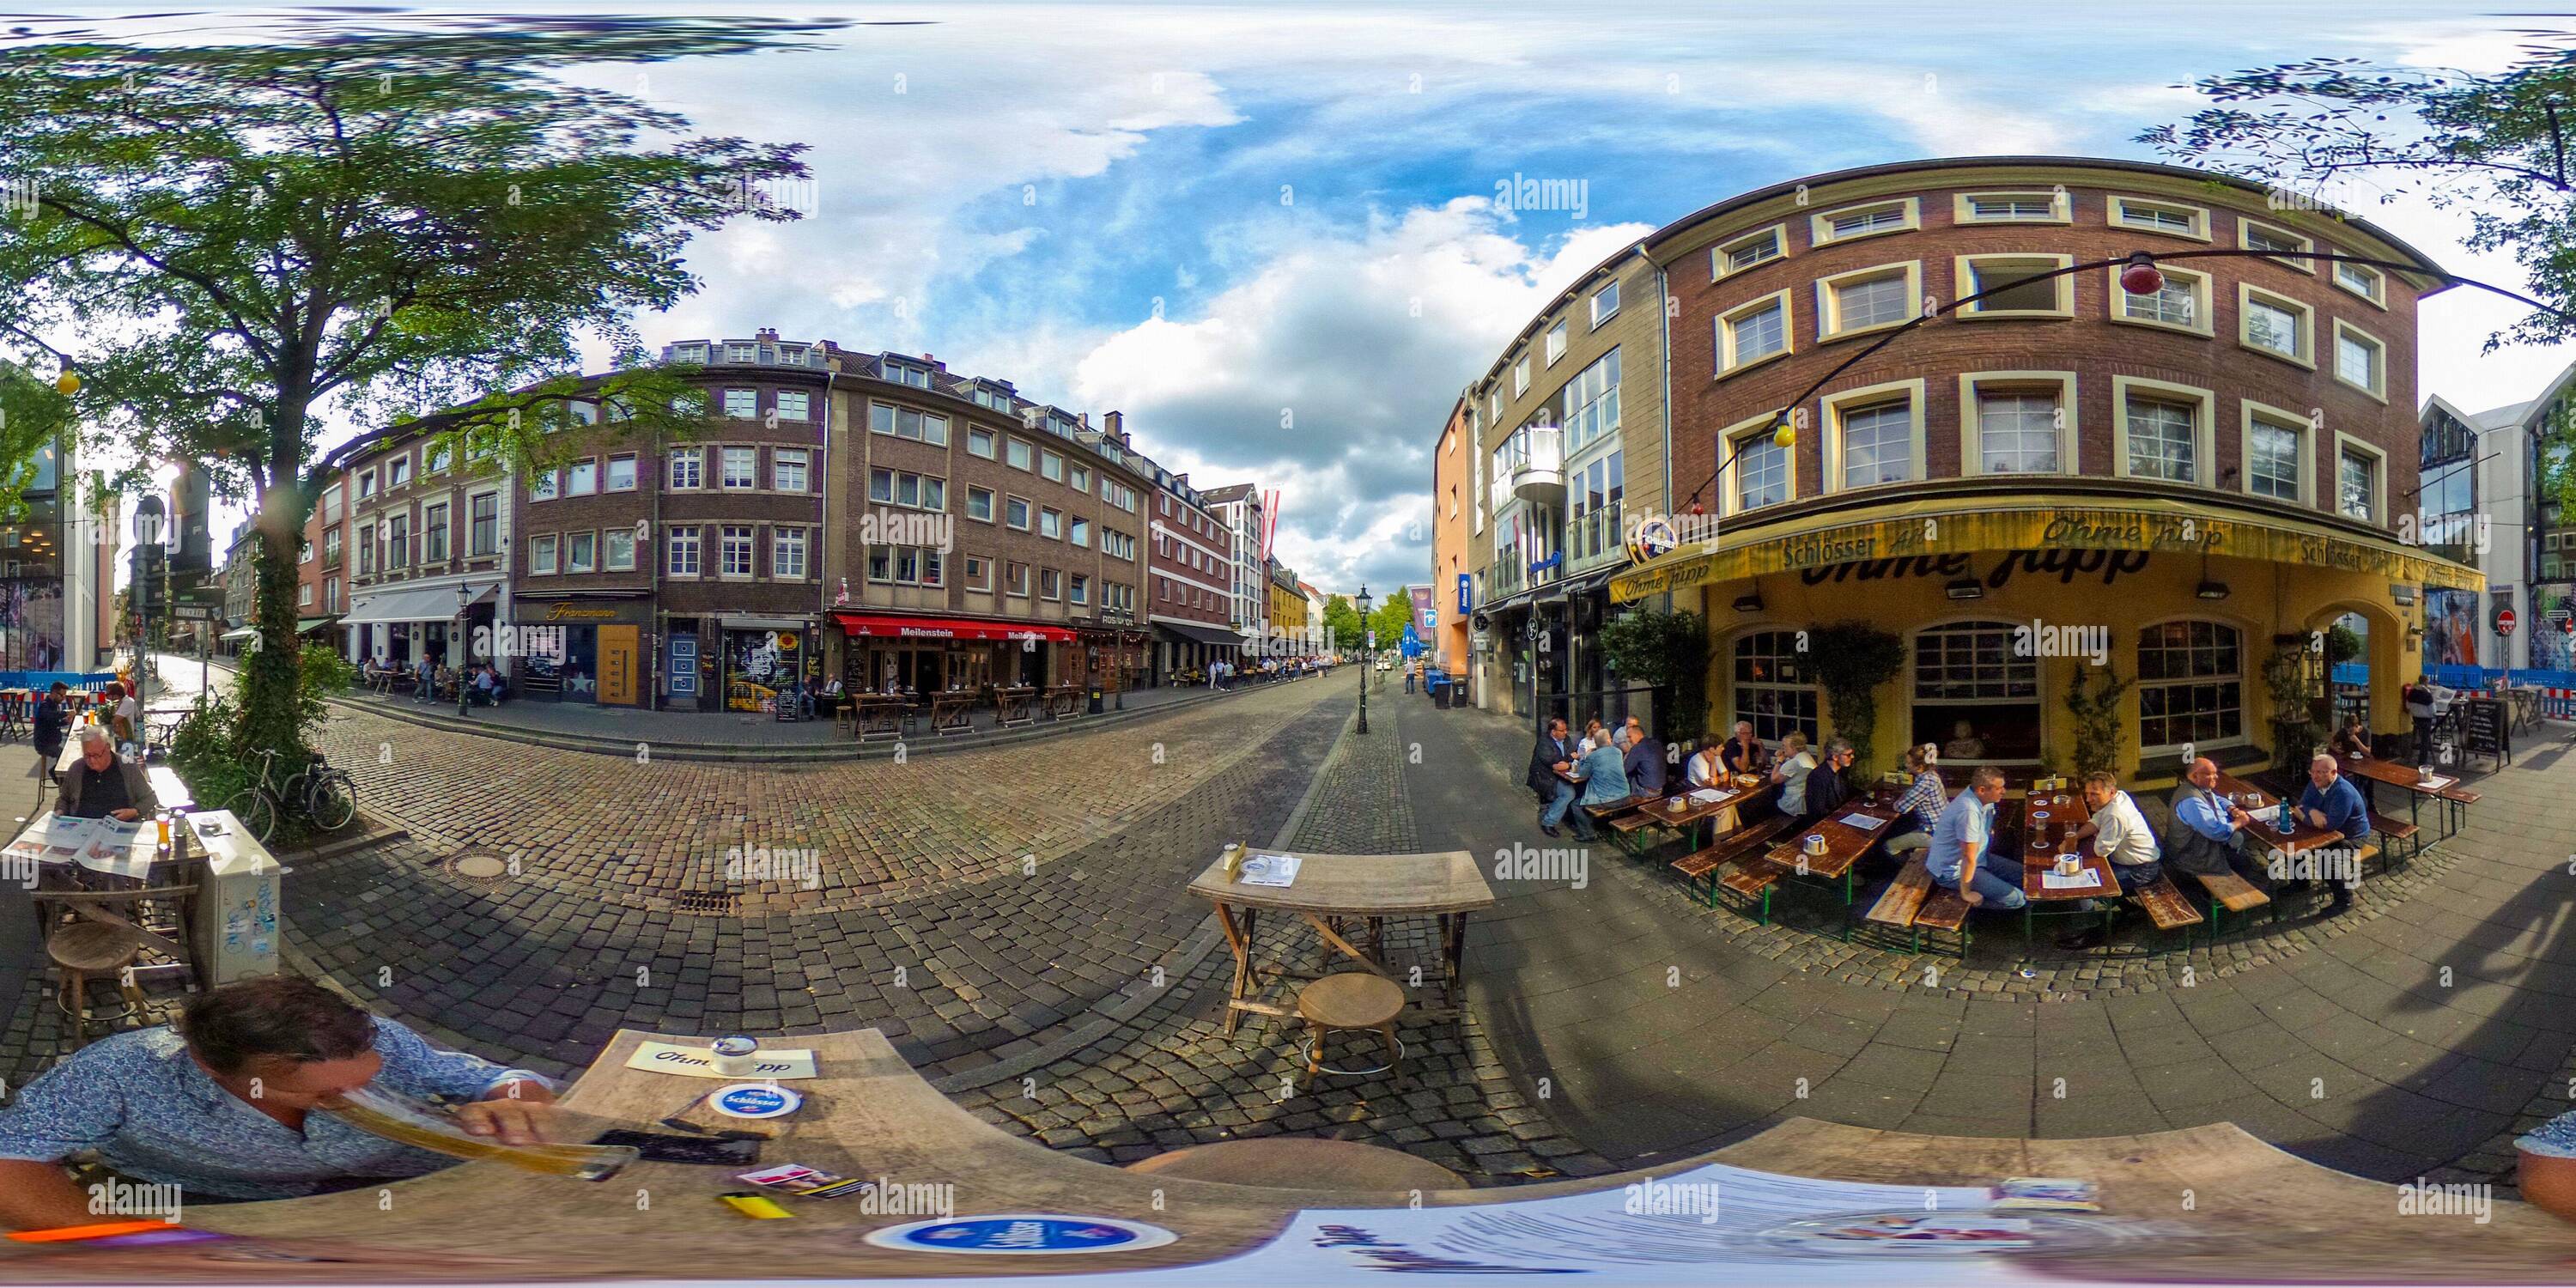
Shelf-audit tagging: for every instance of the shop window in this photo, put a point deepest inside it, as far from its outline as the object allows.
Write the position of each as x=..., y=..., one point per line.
x=1774, y=688
x=2191, y=686
x=1974, y=695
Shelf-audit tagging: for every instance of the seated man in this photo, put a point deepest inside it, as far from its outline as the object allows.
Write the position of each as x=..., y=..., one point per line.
x=2208, y=833
x=2120, y=834
x=1555, y=795
x=2352, y=742
x=1604, y=774
x=2333, y=803
x=1743, y=753
x=1644, y=761
x=1829, y=784
x=219, y=1106
x=1959, y=858
x=102, y=784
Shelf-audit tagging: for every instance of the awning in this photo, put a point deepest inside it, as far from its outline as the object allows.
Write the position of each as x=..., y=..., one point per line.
x=763, y=623
x=245, y=633
x=307, y=625
x=1192, y=634
x=412, y=604
x=870, y=626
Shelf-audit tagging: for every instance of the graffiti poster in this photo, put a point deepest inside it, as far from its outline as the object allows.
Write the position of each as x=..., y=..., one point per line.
x=758, y=664
x=2451, y=627
x=2552, y=648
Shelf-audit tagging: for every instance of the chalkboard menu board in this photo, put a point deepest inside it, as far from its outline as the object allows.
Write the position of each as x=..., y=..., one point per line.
x=2488, y=730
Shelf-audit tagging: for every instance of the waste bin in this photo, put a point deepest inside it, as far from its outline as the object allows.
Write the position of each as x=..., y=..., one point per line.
x=1095, y=699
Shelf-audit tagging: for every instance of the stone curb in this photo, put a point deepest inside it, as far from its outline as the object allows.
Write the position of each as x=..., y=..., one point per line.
x=1109, y=1014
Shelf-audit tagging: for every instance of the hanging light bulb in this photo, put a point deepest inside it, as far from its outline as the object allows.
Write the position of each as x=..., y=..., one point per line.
x=67, y=383
x=2141, y=277
x=1782, y=434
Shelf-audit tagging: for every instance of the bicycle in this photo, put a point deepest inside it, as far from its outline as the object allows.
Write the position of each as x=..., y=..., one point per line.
x=327, y=796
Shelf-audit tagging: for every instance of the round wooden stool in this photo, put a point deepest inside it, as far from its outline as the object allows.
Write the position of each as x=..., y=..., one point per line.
x=1302, y=1163
x=1350, y=1000
x=83, y=949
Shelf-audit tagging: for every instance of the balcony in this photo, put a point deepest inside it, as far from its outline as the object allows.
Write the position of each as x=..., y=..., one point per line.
x=1539, y=474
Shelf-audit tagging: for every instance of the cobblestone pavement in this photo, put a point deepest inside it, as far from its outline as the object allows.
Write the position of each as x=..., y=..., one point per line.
x=960, y=903
x=2413, y=1037
x=1170, y=1077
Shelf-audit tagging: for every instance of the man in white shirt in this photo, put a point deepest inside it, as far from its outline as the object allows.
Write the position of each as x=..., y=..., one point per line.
x=2120, y=834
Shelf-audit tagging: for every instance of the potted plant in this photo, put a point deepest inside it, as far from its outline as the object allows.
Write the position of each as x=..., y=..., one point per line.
x=1851, y=659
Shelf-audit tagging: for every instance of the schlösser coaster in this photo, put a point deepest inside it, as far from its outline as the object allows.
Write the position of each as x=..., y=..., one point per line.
x=1022, y=1234
x=755, y=1100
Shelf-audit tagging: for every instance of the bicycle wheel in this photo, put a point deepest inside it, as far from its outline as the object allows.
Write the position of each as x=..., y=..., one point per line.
x=255, y=810
x=331, y=801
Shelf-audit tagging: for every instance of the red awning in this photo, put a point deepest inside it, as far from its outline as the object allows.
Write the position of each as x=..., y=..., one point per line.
x=871, y=626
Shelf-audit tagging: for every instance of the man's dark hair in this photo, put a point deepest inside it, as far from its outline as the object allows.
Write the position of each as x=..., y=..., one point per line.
x=274, y=1015
x=61, y=688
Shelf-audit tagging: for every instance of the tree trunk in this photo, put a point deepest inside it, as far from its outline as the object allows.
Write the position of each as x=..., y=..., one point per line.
x=271, y=689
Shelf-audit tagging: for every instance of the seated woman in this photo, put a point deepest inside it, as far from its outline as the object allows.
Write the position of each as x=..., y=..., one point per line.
x=1919, y=809
x=2351, y=741
x=1705, y=767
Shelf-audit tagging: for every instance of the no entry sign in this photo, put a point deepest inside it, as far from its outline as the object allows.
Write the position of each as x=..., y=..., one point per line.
x=2504, y=621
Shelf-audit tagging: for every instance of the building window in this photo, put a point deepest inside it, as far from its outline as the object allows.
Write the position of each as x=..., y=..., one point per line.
x=1015, y=580
x=1021, y=455
x=1080, y=533
x=2275, y=455
x=330, y=594
x=2020, y=284
x=1555, y=343
x=2182, y=304
x=979, y=503
x=2360, y=360
x=2020, y=430
x=366, y=484
x=2053, y=207
x=904, y=422
x=1875, y=219
x=787, y=469
x=434, y=458
x=1773, y=689
x=1050, y=584
x=331, y=541
x=1050, y=466
x=1752, y=332
x=1763, y=469
x=398, y=541
x=2161, y=437
x=741, y=468
x=621, y=474
x=793, y=405
x=366, y=549
x=1605, y=304
x=2275, y=324
x=1975, y=695
x=1874, y=435
x=980, y=442
x=1078, y=589
x=620, y=553
x=304, y=595
x=581, y=478
x=979, y=573
x=433, y=534
x=2277, y=241
x=2364, y=281
x=1015, y=512
x=581, y=552
x=787, y=554
x=1592, y=402
x=541, y=554
x=2169, y=218
x=687, y=469
x=542, y=485
x=1520, y=376
x=1051, y=523
x=1748, y=250
x=398, y=471
x=1078, y=477
x=742, y=404
x=736, y=552
x=1593, y=497
x=1118, y=494
x=2357, y=476
x=1868, y=299
x=2191, y=686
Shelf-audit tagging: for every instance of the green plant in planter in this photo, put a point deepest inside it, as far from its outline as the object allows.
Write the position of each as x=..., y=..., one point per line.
x=2292, y=682
x=1851, y=659
x=2097, y=719
x=1668, y=651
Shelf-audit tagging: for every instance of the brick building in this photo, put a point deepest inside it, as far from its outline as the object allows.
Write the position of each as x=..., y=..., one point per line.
x=425, y=556
x=1189, y=566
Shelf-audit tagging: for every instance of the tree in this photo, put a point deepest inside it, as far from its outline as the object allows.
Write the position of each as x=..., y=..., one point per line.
x=1343, y=621
x=1668, y=650
x=2494, y=146
x=1389, y=620
x=230, y=242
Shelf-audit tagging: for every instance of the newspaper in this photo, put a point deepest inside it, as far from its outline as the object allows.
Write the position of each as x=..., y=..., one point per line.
x=1271, y=869
x=2084, y=880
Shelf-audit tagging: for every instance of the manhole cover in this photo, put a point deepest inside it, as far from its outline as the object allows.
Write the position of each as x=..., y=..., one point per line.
x=704, y=901
x=481, y=867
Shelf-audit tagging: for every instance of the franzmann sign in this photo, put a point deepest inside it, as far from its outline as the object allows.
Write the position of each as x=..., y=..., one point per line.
x=573, y=613
x=2044, y=539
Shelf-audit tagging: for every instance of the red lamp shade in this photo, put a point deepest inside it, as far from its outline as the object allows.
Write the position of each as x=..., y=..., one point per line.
x=2142, y=277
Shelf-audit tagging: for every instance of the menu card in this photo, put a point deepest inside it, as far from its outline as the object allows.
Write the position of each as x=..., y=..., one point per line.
x=1272, y=869
x=1862, y=821
x=2084, y=880
x=1708, y=796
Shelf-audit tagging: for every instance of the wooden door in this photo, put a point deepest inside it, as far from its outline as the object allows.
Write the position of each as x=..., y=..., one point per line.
x=617, y=665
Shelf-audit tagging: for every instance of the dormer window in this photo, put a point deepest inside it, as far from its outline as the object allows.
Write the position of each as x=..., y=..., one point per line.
x=694, y=354
x=740, y=352
x=903, y=373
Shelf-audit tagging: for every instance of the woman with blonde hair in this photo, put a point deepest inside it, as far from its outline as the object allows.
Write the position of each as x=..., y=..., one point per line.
x=1919, y=809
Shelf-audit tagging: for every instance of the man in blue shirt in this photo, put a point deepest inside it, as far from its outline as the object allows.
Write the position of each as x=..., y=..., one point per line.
x=223, y=1110
x=2207, y=837
x=2333, y=803
x=1604, y=775
x=1959, y=858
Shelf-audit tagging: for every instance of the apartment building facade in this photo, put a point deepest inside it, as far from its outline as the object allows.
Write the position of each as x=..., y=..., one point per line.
x=425, y=557
x=1189, y=567
x=1247, y=522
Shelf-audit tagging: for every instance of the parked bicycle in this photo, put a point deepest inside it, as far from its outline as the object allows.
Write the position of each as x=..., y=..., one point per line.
x=327, y=796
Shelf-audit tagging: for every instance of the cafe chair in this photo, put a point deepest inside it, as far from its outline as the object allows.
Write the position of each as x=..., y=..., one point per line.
x=1350, y=1000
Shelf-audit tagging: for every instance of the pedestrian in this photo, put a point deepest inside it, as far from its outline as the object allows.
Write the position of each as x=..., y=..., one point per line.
x=52, y=718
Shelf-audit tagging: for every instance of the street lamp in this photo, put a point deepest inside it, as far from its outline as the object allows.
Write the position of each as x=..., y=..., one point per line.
x=148, y=517
x=464, y=600
x=1368, y=658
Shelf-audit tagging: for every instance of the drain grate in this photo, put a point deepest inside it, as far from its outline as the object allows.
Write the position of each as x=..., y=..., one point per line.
x=715, y=901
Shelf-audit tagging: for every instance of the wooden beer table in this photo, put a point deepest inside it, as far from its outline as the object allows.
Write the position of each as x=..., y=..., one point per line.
x=1445, y=884
x=948, y=712
x=2299, y=840
x=1011, y=706
x=880, y=716
x=2045, y=841
x=1845, y=843
x=2445, y=787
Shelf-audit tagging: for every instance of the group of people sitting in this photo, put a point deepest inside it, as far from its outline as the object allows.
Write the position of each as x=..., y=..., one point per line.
x=432, y=681
x=1955, y=830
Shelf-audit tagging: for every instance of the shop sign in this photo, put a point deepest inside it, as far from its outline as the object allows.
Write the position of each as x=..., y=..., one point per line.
x=2040, y=539
x=576, y=613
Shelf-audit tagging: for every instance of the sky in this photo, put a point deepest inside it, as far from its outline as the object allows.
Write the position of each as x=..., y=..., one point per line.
x=1268, y=234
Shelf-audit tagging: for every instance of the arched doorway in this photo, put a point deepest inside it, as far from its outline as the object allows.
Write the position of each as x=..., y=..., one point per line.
x=2348, y=639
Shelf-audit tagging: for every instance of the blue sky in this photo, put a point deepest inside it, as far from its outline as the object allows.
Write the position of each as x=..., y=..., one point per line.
x=1268, y=233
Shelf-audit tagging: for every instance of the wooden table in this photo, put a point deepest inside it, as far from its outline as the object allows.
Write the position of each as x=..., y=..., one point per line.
x=2259, y=826
x=1064, y=701
x=1844, y=846
x=948, y=711
x=1302, y=1163
x=1721, y=815
x=2370, y=769
x=880, y=715
x=1445, y=884
x=2044, y=840
x=1011, y=706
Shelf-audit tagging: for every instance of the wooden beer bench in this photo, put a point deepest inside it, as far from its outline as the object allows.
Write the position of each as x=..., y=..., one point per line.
x=1914, y=903
x=1743, y=842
